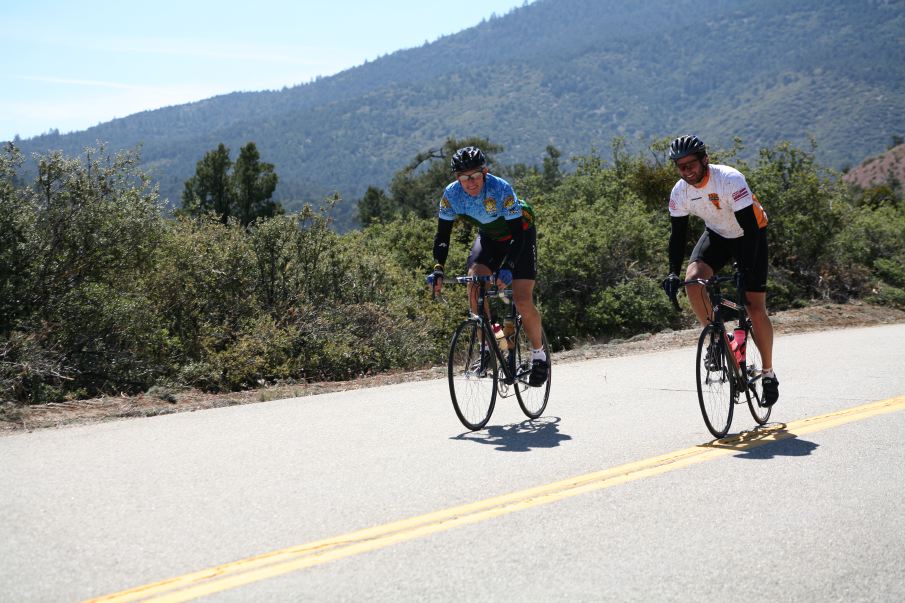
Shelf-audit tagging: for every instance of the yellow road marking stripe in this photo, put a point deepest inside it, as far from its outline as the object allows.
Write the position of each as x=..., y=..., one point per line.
x=291, y=559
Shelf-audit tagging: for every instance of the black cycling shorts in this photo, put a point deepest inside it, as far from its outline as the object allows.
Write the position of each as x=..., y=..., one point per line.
x=715, y=251
x=491, y=253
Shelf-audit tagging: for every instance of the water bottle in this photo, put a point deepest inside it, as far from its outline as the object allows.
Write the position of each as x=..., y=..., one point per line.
x=500, y=336
x=738, y=344
x=509, y=331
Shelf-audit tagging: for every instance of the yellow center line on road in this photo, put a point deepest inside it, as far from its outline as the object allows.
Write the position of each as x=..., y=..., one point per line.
x=291, y=559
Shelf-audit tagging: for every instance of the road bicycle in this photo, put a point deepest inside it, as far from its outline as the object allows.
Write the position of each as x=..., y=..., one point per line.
x=728, y=363
x=487, y=359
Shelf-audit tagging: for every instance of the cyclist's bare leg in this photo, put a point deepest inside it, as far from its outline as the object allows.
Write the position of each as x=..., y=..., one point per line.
x=523, y=295
x=761, y=325
x=697, y=295
x=477, y=270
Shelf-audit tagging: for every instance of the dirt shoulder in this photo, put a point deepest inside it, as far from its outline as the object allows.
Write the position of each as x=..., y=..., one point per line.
x=14, y=419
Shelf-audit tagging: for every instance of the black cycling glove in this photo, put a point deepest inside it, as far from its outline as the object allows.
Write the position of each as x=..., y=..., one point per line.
x=436, y=275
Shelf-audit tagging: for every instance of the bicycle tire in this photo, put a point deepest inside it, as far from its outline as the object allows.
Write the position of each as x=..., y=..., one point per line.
x=472, y=382
x=753, y=367
x=716, y=385
x=532, y=400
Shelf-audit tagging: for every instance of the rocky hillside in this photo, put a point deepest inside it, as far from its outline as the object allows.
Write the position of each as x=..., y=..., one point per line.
x=879, y=169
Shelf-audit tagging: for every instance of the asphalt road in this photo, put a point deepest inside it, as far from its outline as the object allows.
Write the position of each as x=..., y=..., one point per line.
x=380, y=494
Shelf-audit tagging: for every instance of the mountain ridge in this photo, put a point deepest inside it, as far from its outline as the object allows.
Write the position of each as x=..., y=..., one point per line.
x=572, y=73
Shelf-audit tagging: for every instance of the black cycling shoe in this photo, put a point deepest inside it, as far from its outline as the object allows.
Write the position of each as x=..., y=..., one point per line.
x=771, y=390
x=712, y=358
x=539, y=371
x=481, y=364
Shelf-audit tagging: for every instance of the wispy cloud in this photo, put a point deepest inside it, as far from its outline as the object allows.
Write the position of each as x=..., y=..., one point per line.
x=216, y=50
x=78, y=82
x=338, y=56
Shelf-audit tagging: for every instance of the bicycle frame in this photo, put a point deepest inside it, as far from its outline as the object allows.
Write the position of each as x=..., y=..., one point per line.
x=507, y=363
x=472, y=365
x=718, y=364
x=718, y=301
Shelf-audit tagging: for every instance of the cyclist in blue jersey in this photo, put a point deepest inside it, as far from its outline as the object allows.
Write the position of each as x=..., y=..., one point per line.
x=506, y=243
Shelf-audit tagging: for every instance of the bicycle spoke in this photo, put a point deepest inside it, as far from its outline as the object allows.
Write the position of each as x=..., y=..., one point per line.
x=754, y=366
x=716, y=387
x=472, y=376
x=532, y=399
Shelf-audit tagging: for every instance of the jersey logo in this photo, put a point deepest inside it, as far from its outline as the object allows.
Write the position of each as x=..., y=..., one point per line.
x=740, y=194
x=444, y=203
x=490, y=206
x=509, y=206
x=715, y=199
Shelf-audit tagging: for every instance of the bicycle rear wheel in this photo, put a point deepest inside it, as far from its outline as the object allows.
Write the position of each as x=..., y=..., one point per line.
x=753, y=369
x=716, y=387
x=533, y=400
x=472, y=376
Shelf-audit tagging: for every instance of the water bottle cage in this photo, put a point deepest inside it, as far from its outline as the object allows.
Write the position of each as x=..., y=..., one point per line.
x=500, y=337
x=509, y=332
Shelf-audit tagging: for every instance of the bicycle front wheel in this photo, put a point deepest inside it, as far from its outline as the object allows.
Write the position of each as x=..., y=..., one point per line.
x=754, y=366
x=472, y=372
x=532, y=399
x=716, y=387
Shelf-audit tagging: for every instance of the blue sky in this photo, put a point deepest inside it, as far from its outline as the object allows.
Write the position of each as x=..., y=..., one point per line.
x=71, y=65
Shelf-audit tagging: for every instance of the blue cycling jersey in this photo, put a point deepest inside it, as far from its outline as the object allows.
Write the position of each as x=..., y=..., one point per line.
x=489, y=210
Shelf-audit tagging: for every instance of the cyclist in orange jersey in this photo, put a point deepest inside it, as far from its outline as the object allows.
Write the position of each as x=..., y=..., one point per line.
x=735, y=227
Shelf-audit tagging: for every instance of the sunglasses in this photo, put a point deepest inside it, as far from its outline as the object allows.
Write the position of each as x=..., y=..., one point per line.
x=463, y=178
x=687, y=165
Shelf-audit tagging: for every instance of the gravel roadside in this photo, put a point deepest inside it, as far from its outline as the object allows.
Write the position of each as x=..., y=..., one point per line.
x=16, y=419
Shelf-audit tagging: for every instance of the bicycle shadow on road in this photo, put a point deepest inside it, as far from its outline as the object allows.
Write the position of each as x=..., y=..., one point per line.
x=519, y=437
x=764, y=443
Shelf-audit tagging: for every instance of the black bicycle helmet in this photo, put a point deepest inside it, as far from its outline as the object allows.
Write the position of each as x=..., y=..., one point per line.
x=468, y=158
x=686, y=145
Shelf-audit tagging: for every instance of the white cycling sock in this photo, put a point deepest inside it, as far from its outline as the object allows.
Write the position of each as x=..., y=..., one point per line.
x=538, y=354
x=768, y=372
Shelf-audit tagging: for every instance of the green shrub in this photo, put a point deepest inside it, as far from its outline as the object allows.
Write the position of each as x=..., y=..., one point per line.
x=77, y=245
x=886, y=295
x=116, y=340
x=596, y=251
x=632, y=307
x=101, y=294
x=806, y=206
x=32, y=370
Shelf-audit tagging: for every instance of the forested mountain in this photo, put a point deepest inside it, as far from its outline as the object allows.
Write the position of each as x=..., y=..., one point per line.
x=571, y=73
